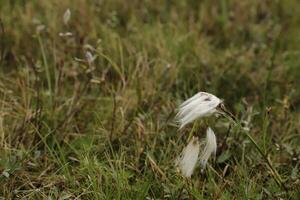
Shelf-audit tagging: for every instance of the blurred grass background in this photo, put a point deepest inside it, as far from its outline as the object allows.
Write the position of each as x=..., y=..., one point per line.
x=73, y=129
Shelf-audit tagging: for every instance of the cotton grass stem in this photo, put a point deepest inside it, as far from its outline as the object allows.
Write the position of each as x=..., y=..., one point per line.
x=192, y=131
x=274, y=173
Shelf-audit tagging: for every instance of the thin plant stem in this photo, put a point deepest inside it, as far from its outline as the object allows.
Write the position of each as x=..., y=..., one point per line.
x=48, y=75
x=192, y=131
x=274, y=173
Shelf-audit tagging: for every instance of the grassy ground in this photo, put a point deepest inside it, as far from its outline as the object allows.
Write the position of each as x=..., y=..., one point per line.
x=72, y=129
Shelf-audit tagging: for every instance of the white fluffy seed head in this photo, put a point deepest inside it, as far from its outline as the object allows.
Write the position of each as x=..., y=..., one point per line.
x=67, y=16
x=189, y=157
x=200, y=105
x=210, y=147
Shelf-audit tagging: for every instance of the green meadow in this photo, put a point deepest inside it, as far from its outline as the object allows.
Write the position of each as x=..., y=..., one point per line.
x=89, y=91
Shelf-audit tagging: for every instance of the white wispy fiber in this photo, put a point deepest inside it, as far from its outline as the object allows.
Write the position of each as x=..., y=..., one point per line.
x=210, y=147
x=189, y=157
x=67, y=16
x=200, y=105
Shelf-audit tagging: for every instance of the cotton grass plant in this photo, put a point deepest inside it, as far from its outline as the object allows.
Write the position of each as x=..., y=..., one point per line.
x=202, y=105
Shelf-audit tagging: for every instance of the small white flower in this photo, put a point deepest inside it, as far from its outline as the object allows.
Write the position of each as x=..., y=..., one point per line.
x=189, y=157
x=89, y=57
x=200, y=105
x=67, y=16
x=210, y=147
